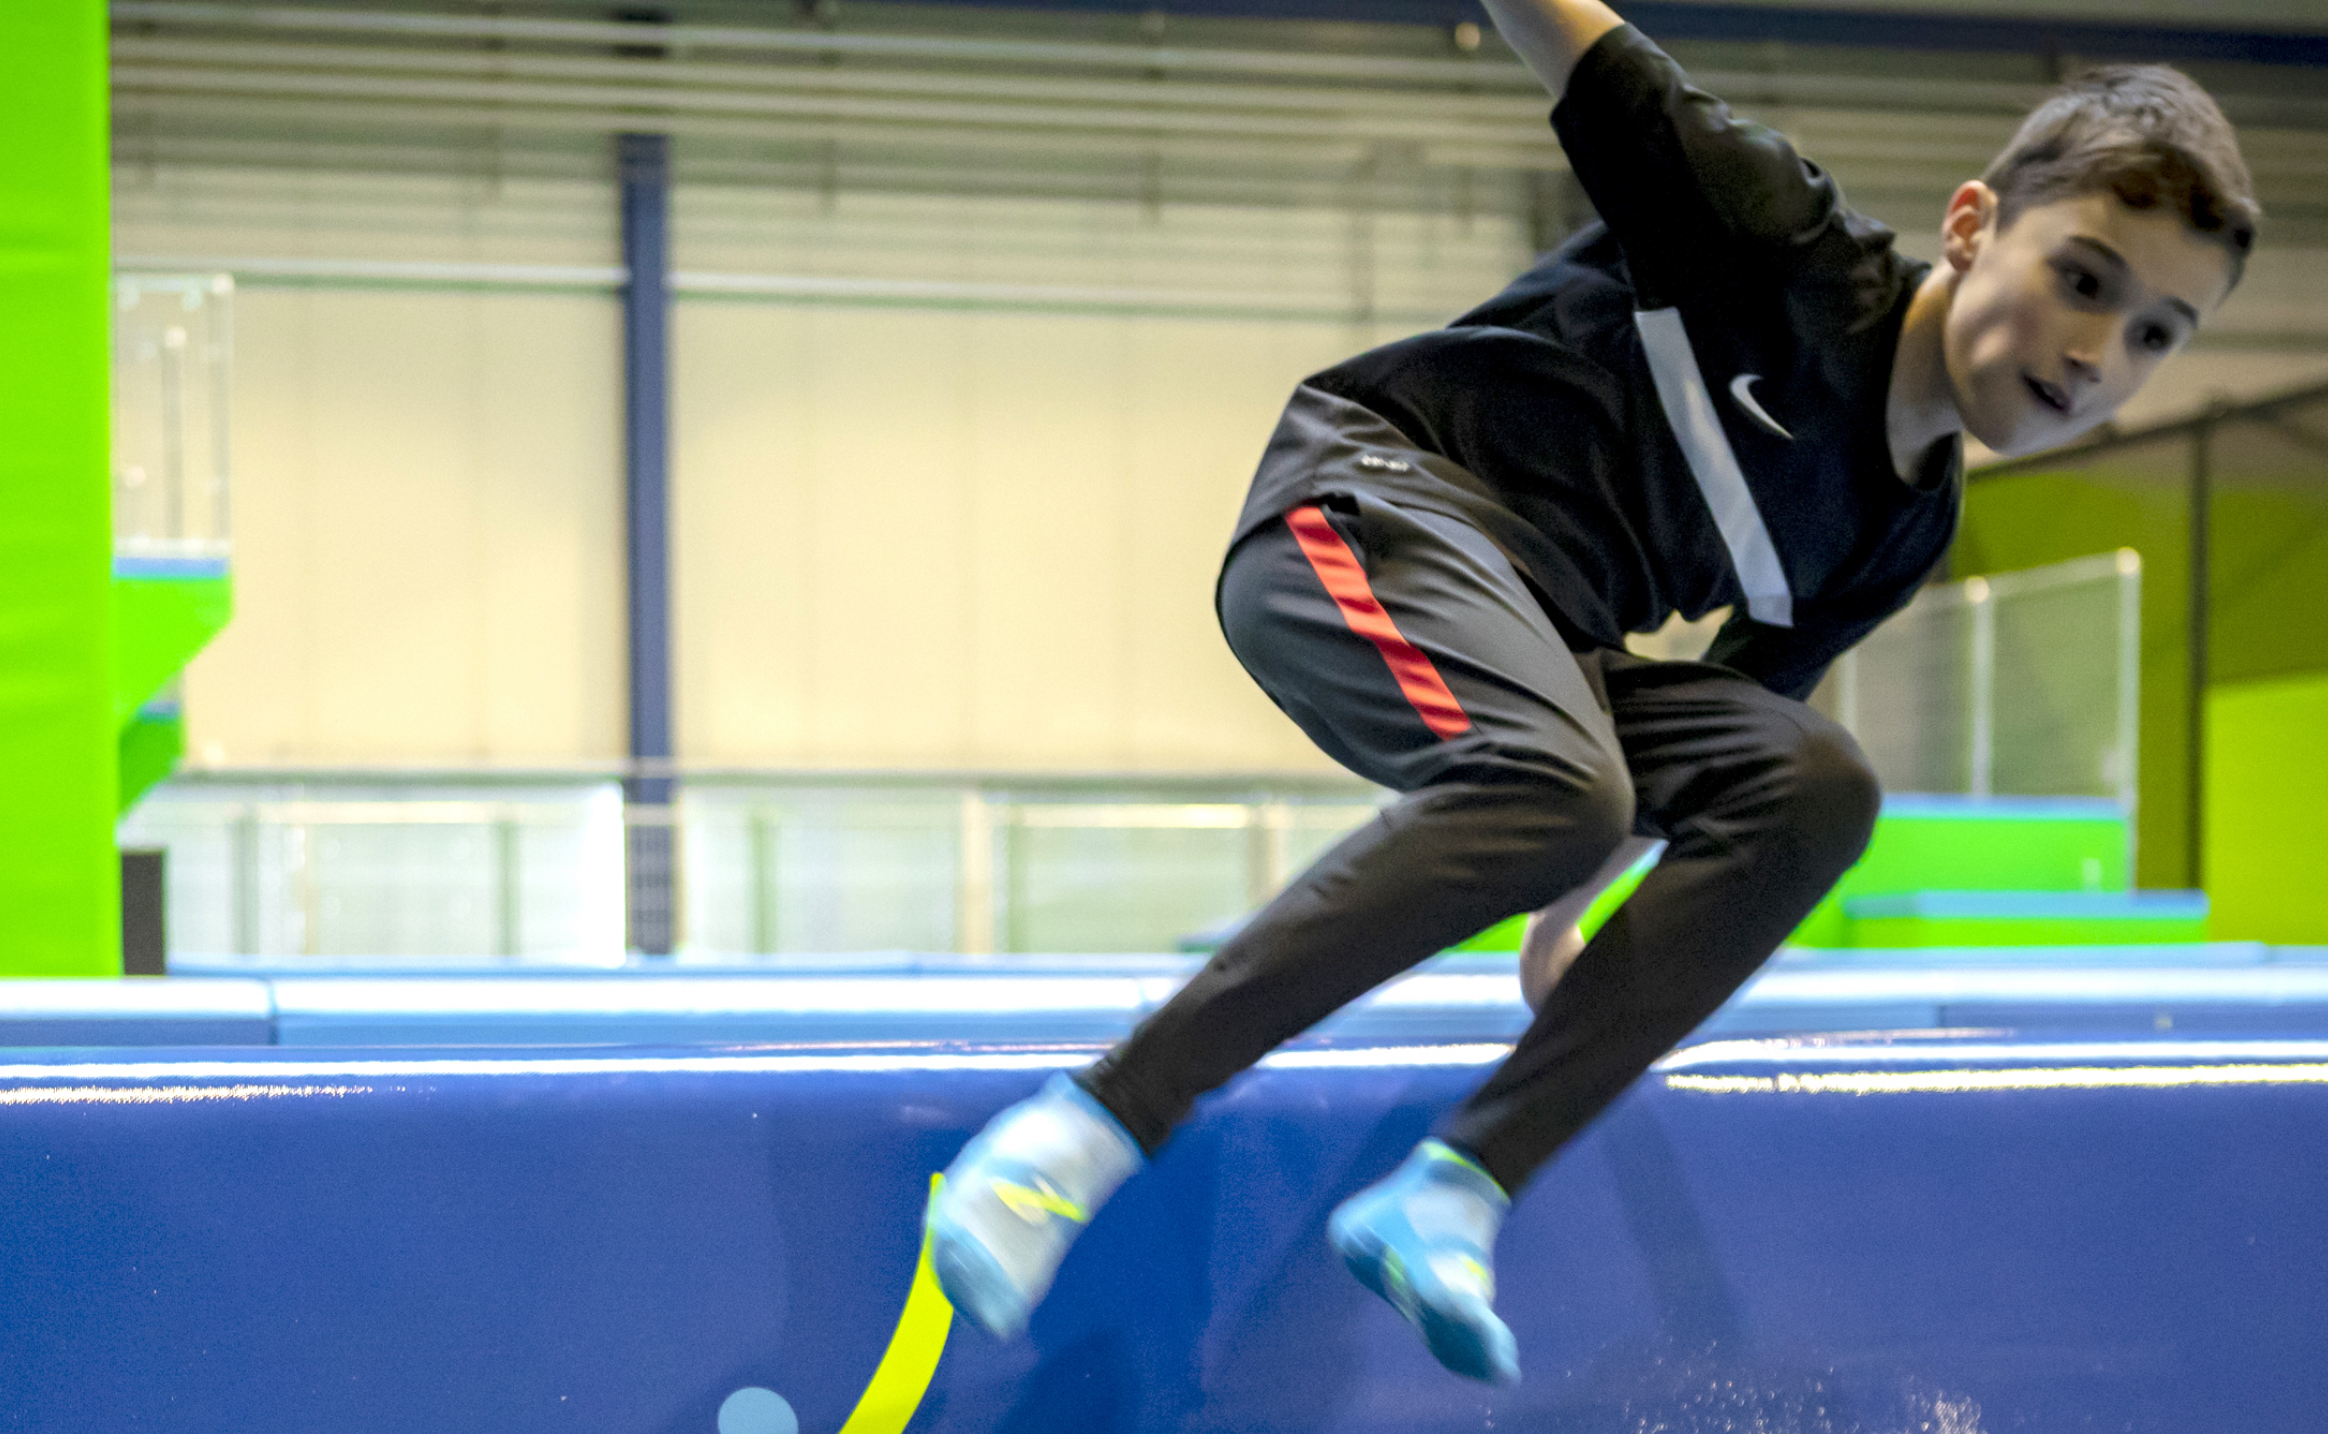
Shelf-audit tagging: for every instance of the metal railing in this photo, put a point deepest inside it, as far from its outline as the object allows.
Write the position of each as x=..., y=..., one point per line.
x=275, y=866
x=2019, y=683
x=387, y=867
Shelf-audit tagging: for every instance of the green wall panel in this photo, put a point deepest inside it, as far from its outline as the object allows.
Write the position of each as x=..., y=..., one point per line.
x=59, y=875
x=2267, y=789
x=2034, y=519
x=2268, y=549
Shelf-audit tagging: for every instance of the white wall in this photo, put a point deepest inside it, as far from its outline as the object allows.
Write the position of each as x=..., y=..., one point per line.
x=926, y=533
x=930, y=537
x=428, y=541
x=920, y=535
x=427, y=485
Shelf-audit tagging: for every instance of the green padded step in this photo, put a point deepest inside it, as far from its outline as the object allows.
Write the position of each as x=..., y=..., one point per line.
x=152, y=741
x=1929, y=844
x=2027, y=918
x=165, y=610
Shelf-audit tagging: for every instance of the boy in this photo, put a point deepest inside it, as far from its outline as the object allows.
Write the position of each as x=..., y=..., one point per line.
x=1731, y=391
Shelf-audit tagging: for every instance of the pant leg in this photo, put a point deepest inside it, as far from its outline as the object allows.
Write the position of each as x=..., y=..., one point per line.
x=1764, y=804
x=1516, y=788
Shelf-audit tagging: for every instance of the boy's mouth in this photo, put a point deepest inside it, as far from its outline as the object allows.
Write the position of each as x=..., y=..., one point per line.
x=2048, y=394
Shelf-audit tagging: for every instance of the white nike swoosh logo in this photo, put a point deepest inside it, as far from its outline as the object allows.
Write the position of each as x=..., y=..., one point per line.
x=1753, y=410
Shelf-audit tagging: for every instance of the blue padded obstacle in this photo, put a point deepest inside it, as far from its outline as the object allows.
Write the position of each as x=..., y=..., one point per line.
x=1952, y=1233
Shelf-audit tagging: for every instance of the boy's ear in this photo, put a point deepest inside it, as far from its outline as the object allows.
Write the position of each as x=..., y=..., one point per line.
x=1970, y=220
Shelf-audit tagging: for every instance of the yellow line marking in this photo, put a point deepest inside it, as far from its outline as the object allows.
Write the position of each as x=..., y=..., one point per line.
x=911, y=1361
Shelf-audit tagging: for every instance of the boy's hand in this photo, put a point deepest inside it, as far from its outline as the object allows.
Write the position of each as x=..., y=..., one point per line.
x=1550, y=36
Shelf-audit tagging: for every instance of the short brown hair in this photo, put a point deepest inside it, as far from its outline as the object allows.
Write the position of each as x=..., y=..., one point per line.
x=2146, y=133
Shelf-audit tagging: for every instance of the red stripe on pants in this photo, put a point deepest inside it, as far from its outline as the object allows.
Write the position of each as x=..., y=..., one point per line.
x=1338, y=568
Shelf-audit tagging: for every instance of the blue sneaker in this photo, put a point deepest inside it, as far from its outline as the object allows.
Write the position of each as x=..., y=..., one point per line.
x=1016, y=1198
x=1424, y=1240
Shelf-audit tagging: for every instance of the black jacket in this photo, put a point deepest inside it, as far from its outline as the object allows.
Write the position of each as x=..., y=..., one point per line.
x=1720, y=342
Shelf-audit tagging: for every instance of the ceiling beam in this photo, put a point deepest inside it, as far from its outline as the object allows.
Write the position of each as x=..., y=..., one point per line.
x=2268, y=32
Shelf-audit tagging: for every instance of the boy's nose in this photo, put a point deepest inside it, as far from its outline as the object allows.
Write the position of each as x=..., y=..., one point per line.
x=2085, y=359
x=2085, y=353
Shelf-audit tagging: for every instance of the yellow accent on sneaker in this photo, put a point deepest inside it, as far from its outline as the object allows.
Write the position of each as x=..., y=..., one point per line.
x=1475, y=1269
x=1032, y=1205
x=1440, y=1150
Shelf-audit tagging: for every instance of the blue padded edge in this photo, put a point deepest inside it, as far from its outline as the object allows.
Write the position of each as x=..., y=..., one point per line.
x=1098, y=1000
x=133, y=1031
x=146, y=567
x=138, y=1011
x=2086, y=905
x=1929, y=805
x=1913, y=1232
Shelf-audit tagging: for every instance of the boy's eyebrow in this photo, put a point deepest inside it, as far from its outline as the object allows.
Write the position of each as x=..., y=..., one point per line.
x=2117, y=261
x=2102, y=252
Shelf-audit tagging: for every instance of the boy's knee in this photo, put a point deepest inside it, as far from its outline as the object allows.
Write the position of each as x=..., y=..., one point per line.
x=1557, y=832
x=1606, y=810
x=1836, y=794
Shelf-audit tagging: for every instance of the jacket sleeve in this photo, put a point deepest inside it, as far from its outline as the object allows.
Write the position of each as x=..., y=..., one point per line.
x=1691, y=191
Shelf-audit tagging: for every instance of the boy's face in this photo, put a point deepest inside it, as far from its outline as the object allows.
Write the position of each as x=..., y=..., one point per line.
x=2059, y=317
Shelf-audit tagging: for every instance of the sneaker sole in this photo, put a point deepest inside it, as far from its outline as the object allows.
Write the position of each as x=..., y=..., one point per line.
x=973, y=1282
x=1458, y=1344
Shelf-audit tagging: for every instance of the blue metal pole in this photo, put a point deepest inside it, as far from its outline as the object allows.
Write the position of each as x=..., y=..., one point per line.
x=644, y=162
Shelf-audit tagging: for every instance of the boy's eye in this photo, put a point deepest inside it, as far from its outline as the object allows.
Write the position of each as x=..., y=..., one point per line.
x=2157, y=338
x=2082, y=282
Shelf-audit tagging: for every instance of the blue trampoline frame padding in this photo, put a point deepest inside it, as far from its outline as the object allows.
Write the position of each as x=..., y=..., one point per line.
x=1845, y=1236
x=2227, y=988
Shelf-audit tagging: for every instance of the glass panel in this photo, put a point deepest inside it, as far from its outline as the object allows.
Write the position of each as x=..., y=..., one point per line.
x=1913, y=708
x=770, y=871
x=2056, y=684
x=1125, y=878
x=172, y=341
x=390, y=869
x=2016, y=684
x=770, y=866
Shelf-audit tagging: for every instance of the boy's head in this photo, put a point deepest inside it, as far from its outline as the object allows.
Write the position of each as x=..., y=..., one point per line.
x=2119, y=216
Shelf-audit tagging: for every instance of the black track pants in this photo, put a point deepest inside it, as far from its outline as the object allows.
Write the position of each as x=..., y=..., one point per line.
x=1406, y=646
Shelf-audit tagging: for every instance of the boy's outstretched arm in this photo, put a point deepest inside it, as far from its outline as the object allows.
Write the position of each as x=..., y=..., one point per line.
x=1551, y=35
